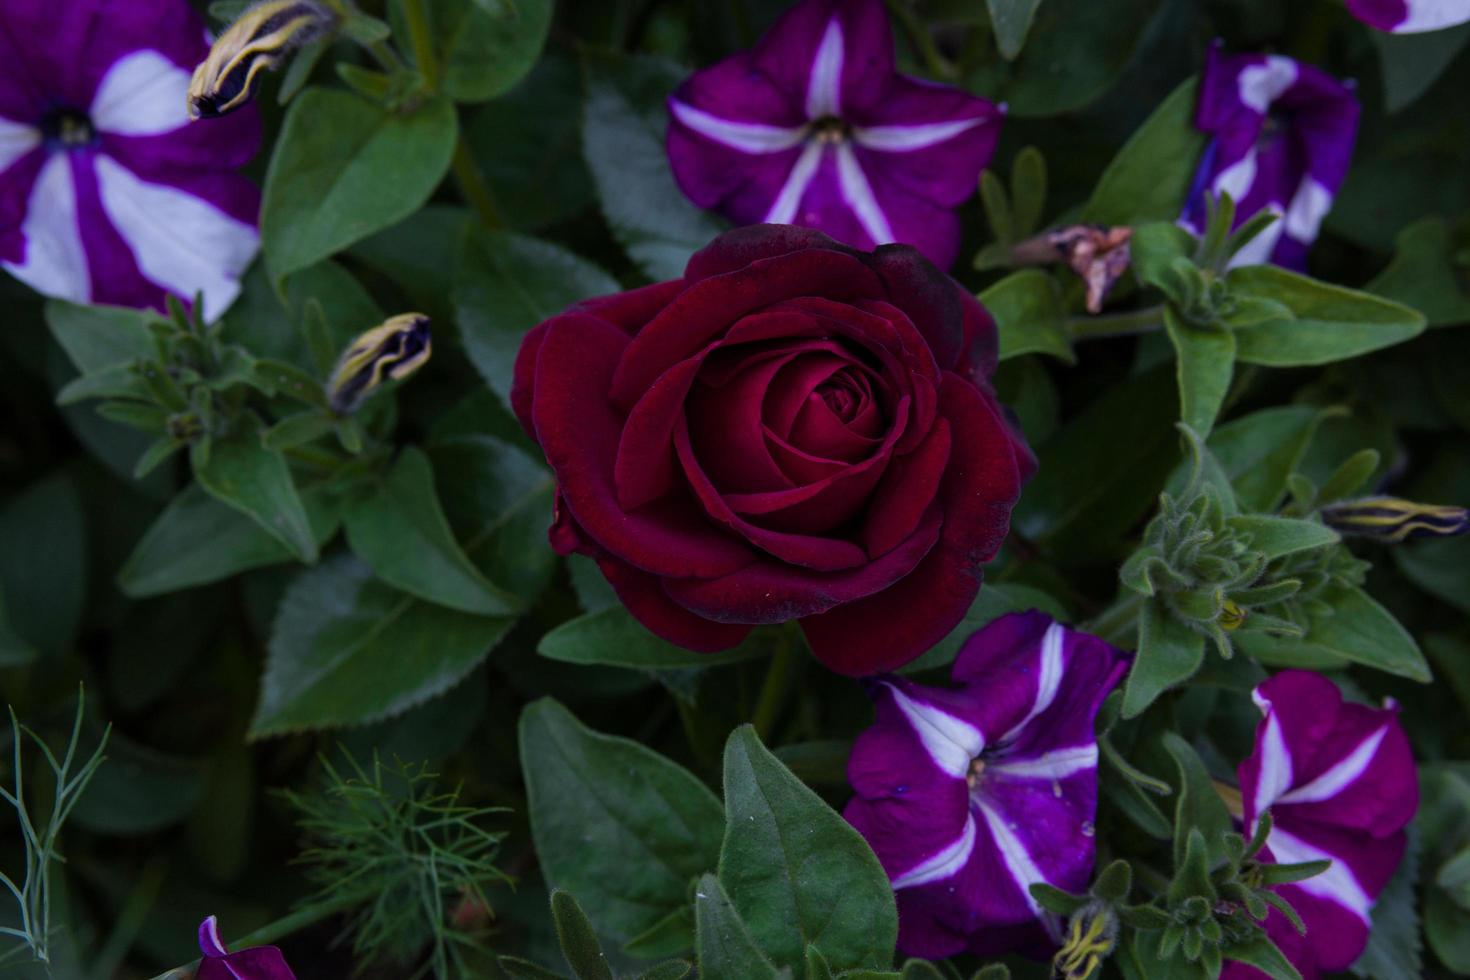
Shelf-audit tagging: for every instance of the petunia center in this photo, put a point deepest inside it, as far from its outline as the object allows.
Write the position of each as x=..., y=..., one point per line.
x=977, y=769
x=67, y=128
x=830, y=129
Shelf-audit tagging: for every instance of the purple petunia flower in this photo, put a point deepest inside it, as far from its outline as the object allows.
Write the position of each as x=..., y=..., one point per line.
x=1281, y=139
x=814, y=127
x=256, y=963
x=107, y=194
x=1410, y=16
x=1339, y=781
x=970, y=795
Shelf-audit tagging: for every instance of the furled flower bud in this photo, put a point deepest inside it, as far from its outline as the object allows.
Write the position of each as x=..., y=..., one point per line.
x=262, y=36
x=1091, y=935
x=393, y=350
x=1393, y=520
x=255, y=963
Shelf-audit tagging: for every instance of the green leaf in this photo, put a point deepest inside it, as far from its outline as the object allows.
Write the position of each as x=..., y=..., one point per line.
x=727, y=950
x=1199, y=807
x=344, y=168
x=612, y=637
x=1155, y=250
x=1205, y=363
x=1329, y=323
x=1260, y=451
x=1150, y=176
x=401, y=532
x=481, y=53
x=43, y=563
x=526, y=969
x=614, y=821
x=1412, y=62
x=257, y=482
x=324, y=308
x=1029, y=312
x=1074, y=51
x=1424, y=274
x=799, y=874
x=1261, y=953
x=98, y=337
x=1011, y=19
x=1440, y=567
x=197, y=540
x=418, y=256
x=1169, y=653
x=528, y=144
x=668, y=970
x=1277, y=536
x=623, y=139
x=505, y=284
x=1028, y=186
x=1358, y=630
x=138, y=790
x=1447, y=926
x=578, y=940
x=1103, y=470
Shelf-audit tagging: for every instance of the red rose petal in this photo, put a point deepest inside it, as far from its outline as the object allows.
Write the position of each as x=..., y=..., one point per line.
x=809, y=551
x=912, y=481
x=772, y=592
x=707, y=308
x=630, y=310
x=981, y=484
x=644, y=468
x=579, y=433
x=739, y=247
x=644, y=597
x=523, y=380
x=725, y=426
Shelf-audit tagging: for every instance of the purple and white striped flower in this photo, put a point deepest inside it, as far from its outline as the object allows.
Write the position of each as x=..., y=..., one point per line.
x=814, y=127
x=255, y=963
x=107, y=194
x=1410, y=16
x=1339, y=781
x=972, y=794
x=1282, y=136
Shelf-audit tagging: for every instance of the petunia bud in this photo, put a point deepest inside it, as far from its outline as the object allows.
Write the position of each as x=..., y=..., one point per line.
x=258, y=40
x=1091, y=936
x=1390, y=519
x=393, y=350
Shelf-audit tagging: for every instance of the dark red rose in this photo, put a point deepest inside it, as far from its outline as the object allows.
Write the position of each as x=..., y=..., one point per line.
x=794, y=430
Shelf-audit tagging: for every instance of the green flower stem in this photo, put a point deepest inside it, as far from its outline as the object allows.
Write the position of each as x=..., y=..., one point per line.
x=935, y=62
x=1118, y=624
x=1129, y=324
x=472, y=185
x=776, y=688
x=423, y=43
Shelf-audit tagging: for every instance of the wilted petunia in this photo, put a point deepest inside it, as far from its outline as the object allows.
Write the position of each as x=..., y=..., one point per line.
x=107, y=194
x=256, y=963
x=1339, y=781
x=1282, y=136
x=814, y=127
x=1410, y=16
x=970, y=795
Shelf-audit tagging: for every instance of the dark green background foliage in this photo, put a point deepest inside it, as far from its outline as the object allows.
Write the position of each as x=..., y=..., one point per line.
x=292, y=588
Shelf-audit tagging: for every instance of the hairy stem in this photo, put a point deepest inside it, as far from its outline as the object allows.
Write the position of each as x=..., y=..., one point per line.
x=1129, y=324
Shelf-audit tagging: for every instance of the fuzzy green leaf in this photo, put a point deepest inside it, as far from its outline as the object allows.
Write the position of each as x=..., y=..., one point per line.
x=1277, y=536
x=597, y=800
x=1149, y=177
x=1328, y=323
x=1169, y=653
x=727, y=949
x=799, y=874
x=579, y=943
x=240, y=472
x=1205, y=363
x=1030, y=315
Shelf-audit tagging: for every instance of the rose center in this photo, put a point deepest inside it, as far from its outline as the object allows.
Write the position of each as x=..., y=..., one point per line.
x=830, y=129
x=67, y=128
x=840, y=399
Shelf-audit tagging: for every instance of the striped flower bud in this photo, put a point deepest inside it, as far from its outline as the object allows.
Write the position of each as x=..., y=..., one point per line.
x=262, y=36
x=393, y=350
x=1390, y=519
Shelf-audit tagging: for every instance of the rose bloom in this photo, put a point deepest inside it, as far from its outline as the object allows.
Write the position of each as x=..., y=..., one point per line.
x=794, y=430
